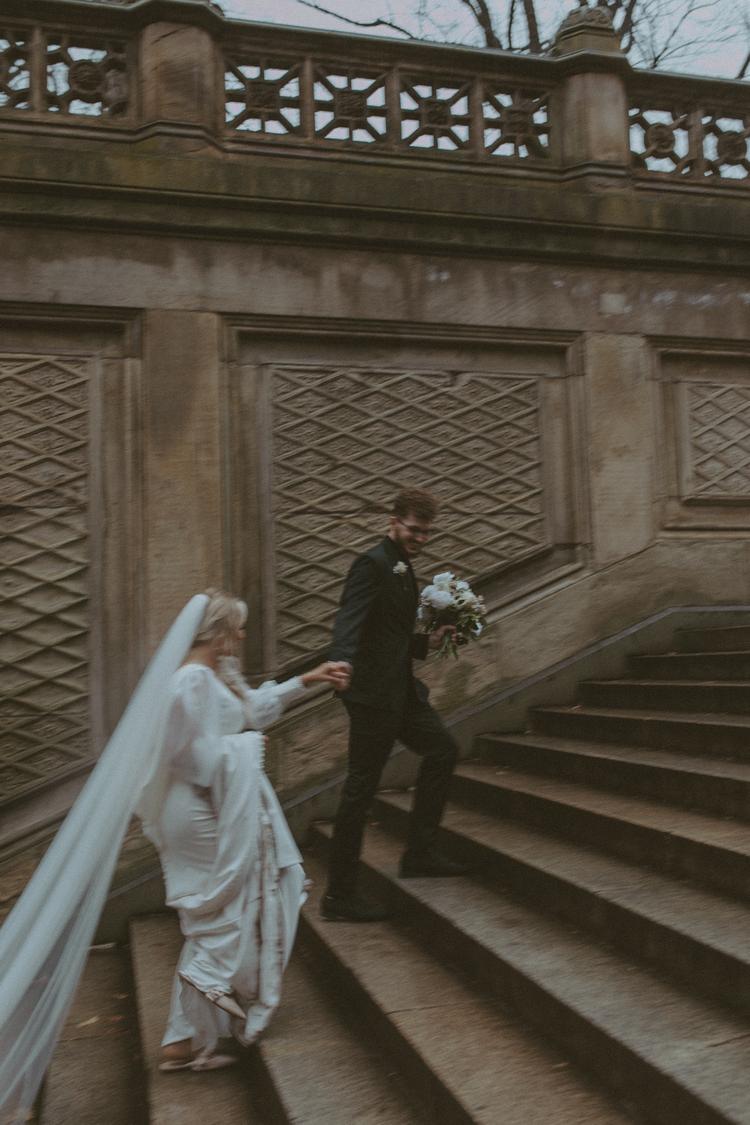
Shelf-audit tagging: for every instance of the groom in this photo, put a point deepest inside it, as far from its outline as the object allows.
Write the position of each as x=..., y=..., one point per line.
x=374, y=632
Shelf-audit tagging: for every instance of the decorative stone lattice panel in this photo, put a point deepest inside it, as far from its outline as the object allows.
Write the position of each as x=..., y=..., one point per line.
x=15, y=73
x=86, y=76
x=323, y=103
x=72, y=75
x=346, y=439
x=719, y=429
x=349, y=105
x=263, y=97
x=691, y=141
x=516, y=123
x=44, y=726
x=435, y=113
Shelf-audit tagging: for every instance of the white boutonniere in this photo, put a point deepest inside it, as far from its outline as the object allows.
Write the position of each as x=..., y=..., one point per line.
x=400, y=568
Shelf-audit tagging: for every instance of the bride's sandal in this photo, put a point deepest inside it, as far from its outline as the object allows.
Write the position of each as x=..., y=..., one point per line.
x=201, y=1061
x=222, y=1000
x=213, y=1062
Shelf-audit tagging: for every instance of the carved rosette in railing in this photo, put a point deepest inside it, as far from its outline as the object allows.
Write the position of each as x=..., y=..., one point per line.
x=75, y=74
x=327, y=104
x=86, y=76
x=689, y=141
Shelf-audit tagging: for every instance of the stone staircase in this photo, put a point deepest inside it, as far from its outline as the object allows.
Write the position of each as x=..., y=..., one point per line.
x=594, y=969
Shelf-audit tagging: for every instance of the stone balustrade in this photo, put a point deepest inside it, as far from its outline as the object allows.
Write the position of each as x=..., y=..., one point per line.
x=180, y=63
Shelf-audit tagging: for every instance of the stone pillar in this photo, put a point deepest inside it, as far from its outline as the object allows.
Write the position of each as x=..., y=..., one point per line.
x=183, y=462
x=180, y=76
x=620, y=409
x=594, y=103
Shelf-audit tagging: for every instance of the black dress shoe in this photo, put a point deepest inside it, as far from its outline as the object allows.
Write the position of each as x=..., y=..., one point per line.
x=430, y=865
x=353, y=908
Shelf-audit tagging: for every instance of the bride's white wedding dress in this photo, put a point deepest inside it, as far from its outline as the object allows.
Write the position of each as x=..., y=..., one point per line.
x=231, y=867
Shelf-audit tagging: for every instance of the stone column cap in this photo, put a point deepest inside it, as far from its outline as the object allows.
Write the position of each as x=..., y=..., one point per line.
x=586, y=29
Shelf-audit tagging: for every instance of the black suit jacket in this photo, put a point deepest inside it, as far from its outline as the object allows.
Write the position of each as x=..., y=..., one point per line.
x=374, y=631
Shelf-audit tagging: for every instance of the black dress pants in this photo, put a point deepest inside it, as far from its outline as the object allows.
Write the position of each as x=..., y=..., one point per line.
x=372, y=734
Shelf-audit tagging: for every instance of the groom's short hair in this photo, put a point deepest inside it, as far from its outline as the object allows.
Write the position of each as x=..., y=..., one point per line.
x=415, y=502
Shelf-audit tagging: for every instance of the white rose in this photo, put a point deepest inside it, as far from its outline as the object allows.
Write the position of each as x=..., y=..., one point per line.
x=461, y=585
x=439, y=599
x=468, y=598
x=444, y=579
x=400, y=568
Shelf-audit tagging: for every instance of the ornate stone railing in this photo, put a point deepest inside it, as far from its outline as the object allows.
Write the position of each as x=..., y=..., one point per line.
x=331, y=103
x=166, y=63
x=680, y=131
x=65, y=71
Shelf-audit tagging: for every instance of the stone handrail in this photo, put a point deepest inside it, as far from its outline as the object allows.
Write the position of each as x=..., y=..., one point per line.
x=180, y=63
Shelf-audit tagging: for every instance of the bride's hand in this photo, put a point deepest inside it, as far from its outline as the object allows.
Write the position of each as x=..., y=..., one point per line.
x=337, y=673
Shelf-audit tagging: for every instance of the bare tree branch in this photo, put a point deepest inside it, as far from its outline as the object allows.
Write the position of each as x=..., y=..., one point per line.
x=511, y=17
x=535, y=43
x=654, y=33
x=357, y=23
x=626, y=27
x=483, y=16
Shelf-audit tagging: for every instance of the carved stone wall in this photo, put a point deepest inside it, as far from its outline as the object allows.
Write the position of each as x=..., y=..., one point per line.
x=706, y=413
x=44, y=548
x=322, y=440
x=718, y=418
x=345, y=439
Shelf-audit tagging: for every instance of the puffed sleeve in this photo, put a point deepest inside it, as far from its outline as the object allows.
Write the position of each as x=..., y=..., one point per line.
x=192, y=736
x=266, y=704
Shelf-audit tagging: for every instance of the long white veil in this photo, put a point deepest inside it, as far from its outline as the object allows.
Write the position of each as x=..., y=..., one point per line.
x=45, y=939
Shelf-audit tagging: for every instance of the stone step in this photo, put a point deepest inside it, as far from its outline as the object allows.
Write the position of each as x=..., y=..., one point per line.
x=727, y=638
x=322, y=1068
x=693, y=934
x=698, y=733
x=664, y=695
x=95, y=1076
x=470, y=1061
x=708, y=784
x=221, y=1097
x=692, y=666
x=311, y=1067
x=676, y=841
x=675, y=1058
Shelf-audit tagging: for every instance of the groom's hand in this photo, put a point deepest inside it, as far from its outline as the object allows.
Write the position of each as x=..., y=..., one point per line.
x=436, y=638
x=337, y=673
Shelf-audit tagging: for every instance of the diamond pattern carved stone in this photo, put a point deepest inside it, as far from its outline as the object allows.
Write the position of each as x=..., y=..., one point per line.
x=345, y=440
x=44, y=557
x=719, y=427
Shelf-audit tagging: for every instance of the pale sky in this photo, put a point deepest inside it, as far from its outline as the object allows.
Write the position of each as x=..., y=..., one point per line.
x=723, y=61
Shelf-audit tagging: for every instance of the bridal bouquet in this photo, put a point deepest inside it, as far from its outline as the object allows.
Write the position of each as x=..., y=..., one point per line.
x=451, y=601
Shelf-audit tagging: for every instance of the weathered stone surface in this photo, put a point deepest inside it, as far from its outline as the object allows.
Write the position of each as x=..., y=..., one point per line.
x=182, y=458
x=184, y=227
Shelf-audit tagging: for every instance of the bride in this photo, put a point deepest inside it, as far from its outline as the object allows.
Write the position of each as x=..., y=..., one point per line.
x=231, y=867
x=187, y=758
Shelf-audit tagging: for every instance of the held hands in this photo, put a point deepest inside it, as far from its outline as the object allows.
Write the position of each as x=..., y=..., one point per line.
x=337, y=673
x=436, y=638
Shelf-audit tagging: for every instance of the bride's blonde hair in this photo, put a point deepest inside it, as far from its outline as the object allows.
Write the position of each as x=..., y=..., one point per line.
x=223, y=615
